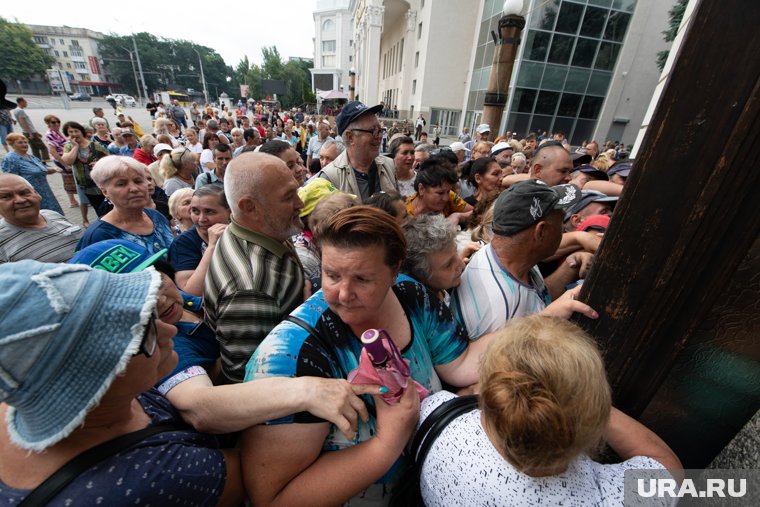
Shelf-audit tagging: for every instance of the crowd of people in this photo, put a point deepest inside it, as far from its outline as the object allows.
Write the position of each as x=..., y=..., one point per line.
x=212, y=312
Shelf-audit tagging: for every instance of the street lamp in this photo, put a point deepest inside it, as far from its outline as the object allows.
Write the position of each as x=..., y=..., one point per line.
x=203, y=77
x=139, y=66
x=510, y=28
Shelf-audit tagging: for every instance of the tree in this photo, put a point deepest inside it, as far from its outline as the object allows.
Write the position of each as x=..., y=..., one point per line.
x=295, y=73
x=22, y=58
x=676, y=15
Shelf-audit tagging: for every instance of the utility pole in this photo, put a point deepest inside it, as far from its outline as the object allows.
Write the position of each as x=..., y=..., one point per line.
x=203, y=77
x=134, y=72
x=139, y=66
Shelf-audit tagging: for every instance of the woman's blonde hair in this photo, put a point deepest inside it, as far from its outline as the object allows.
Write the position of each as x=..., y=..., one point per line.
x=602, y=162
x=544, y=393
x=169, y=166
x=161, y=126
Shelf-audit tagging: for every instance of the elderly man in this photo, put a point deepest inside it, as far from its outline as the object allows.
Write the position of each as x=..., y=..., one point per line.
x=255, y=278
x=502, y=152
x=502, y=281
x=252, y=139
x=330, y=151
x=316, y=142
x=591, y=203
x=482, y=133
x=459, y=150
x=98, y=112
x=177, y=113
x=26, y=232
x=361, y=170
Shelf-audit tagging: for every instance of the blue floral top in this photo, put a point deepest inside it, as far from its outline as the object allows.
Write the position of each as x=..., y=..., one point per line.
x=160, y=238
x=35, y=172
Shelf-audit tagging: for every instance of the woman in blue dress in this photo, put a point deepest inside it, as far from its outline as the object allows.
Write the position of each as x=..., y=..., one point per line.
x=29, y=167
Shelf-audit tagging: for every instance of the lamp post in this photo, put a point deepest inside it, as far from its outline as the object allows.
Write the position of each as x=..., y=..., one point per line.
x=510, y=28
x=352, y=84
x=203, y=77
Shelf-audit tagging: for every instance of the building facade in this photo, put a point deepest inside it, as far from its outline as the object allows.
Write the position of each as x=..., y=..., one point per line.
x=584, y=67
x=76, y=56
x=333, y=46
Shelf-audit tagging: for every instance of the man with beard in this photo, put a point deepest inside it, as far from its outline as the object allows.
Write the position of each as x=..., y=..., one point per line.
x=360, y=170
x=255, y=278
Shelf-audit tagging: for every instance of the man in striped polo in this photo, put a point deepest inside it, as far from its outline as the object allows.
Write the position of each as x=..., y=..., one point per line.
x=255, y=278
x=26, y=232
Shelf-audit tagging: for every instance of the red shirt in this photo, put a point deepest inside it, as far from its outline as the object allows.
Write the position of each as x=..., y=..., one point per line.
x=144, y=158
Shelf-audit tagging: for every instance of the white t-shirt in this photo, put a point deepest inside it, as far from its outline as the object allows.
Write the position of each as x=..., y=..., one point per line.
x=489, y=295
x=206, y=157
x=464, y=469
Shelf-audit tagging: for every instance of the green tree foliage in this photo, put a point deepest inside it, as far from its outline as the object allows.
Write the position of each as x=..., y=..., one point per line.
x=167, y=64
x=21, y=57
x=295, y=73
x=676, y=15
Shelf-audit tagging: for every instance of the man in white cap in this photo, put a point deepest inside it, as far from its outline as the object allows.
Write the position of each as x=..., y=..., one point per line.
x=459, y=150
x=481, y=134
x=502, y=152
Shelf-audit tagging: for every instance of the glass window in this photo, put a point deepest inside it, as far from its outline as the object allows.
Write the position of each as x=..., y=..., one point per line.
x=541, y=123
x=585, y=50
x=562, y=46
x=488, y=9
x=328, y=61
x=524, y=99
x=536, y=45
x=56, y=53
x=328, y=25
x=608, y=53
x=518, y=123
x=547, y=102
x=414, y=86
x=65, y=54
x=488, y=54
x=530, y=74
x=545, y=15
x=569, y=17
x=599, y=83
x=584, y=129
x=62, y=43
x=577, y=80
x=564, y=125
x=419, y=31
x=554, y=77
x=591, y=107
x=593, y=22
x=328, y=46
x=569, y=104
x=624, y=5
x=602, y=3
x=616, y=26
x=416, y=59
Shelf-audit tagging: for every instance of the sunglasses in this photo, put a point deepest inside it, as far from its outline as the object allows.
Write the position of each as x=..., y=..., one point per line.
x=150, y=338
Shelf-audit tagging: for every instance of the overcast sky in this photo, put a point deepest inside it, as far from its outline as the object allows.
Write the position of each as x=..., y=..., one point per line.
x=287, y=25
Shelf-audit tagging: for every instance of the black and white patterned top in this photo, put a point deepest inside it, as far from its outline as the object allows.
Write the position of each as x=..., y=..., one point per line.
x=464, y=469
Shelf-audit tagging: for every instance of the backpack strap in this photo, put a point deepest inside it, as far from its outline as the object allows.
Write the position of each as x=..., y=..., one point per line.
x=53, y=485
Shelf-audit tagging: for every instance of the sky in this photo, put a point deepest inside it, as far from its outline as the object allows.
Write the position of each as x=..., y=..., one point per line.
x=289, y=26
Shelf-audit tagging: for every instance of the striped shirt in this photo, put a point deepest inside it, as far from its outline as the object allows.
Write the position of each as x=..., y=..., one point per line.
x=489, y=295
x=253, y=281
x=53, y=243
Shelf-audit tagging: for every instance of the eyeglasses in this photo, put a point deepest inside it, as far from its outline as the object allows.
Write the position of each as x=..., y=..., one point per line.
x=375, y=132
x=55, y=121
x=150, y=338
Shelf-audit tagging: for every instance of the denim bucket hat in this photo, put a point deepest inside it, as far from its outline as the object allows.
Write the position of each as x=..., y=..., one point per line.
x=66, y=331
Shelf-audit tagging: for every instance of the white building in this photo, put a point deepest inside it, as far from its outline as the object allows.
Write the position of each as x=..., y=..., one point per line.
x=76, y=54
x=333, y=46
x=584, y=67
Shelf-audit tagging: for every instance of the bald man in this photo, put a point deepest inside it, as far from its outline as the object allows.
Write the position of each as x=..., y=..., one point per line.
x=551, y=164
x=255, y=278
x=26, y=232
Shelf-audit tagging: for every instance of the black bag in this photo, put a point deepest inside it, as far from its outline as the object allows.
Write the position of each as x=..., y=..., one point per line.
x=407, y=492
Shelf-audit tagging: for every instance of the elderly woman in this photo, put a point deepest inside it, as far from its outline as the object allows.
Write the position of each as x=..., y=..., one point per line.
x=191, y=251
x=485, y=177
x=144, y=154
x=432, y=256
x=101, y=134
x=402, y=152
x=178, y=170
x=80, y=349
x=362, y=250
x=55, y=141
x=81, y=154
x=29, y=167
x=123, y=182
x=434, y=185
x=544, y=407
x=179, y=209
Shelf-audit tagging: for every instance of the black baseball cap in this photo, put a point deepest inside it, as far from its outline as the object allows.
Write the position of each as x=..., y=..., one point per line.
x=593, y=171
x=525, y=203
x=352, y=111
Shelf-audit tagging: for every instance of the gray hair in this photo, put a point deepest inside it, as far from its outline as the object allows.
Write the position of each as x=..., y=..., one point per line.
x=338, y=145
x=99, y=121
x=423, y=147
x=425, y=235
x=114, y=165
x=244, y=178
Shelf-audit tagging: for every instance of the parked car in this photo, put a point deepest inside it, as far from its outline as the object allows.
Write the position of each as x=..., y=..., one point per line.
x=80, y=96
x=126, y=100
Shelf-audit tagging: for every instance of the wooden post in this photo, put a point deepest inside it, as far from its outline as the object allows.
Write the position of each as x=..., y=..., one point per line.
x=690, y=210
